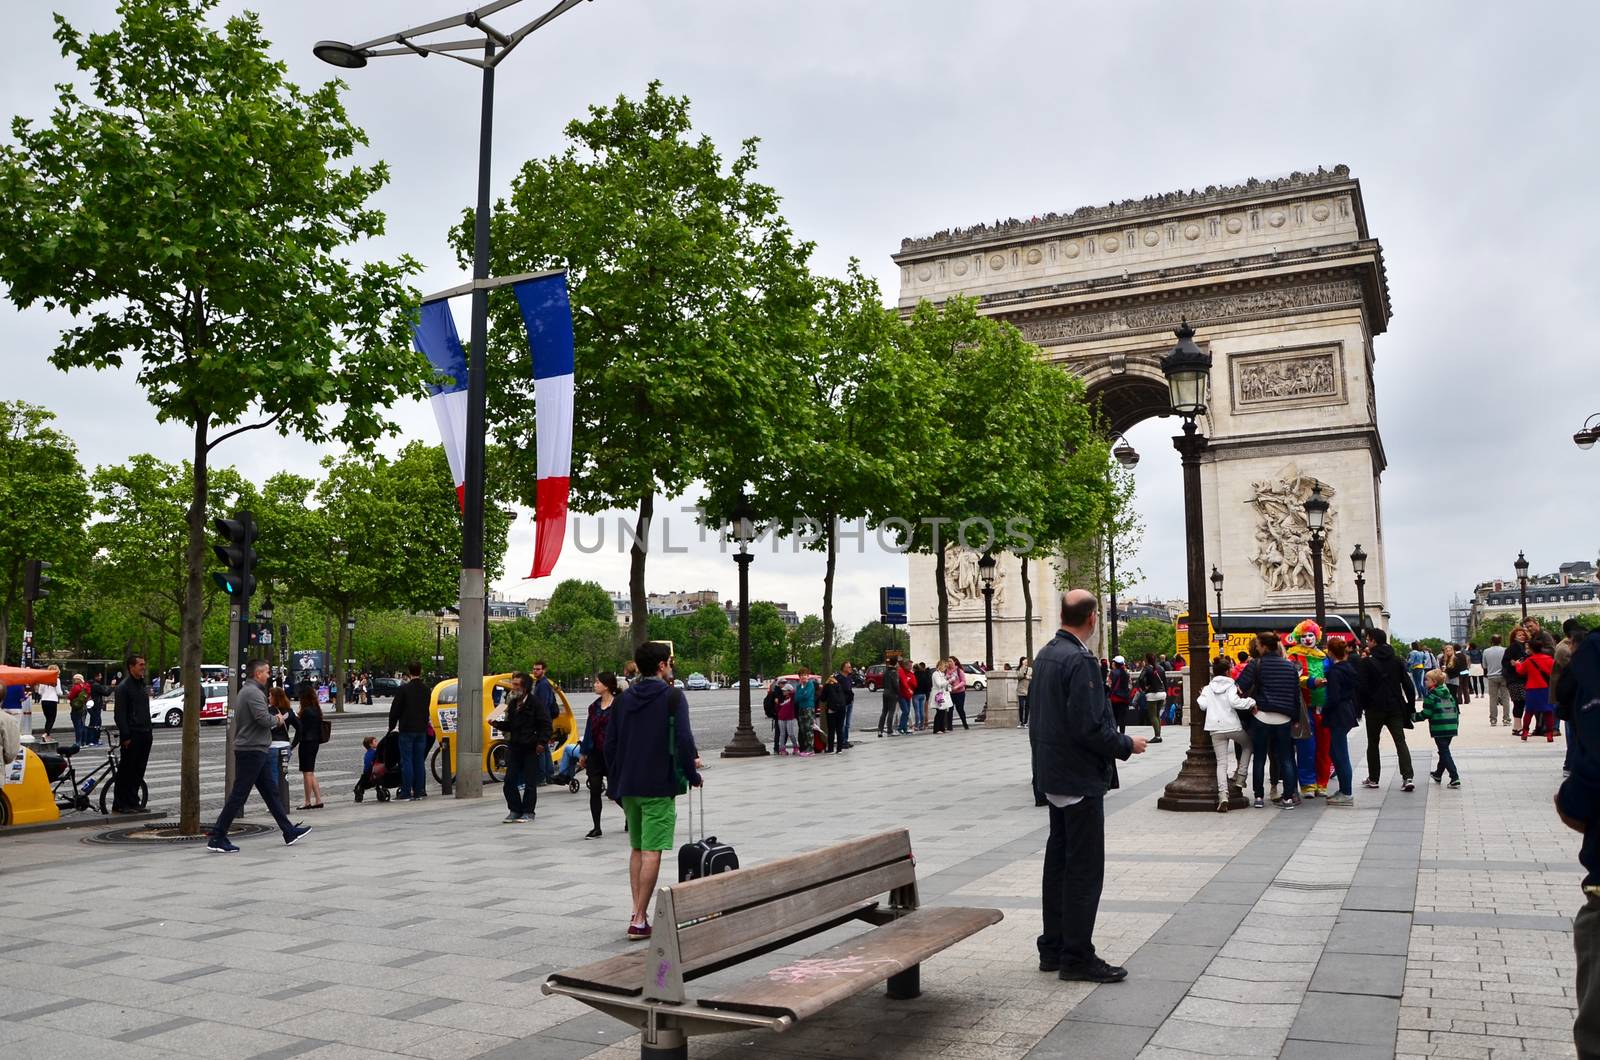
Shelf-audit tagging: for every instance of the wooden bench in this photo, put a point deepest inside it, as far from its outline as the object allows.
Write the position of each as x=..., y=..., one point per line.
x=714, y=923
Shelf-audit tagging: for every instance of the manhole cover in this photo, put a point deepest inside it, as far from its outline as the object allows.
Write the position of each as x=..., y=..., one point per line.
x=167, y=832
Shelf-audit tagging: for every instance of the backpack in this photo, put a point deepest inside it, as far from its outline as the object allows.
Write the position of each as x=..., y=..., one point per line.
x=769, y=702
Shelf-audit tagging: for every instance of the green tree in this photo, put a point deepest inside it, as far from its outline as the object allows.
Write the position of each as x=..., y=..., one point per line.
x=685, y=278
x=45, y=498
x=769, y=639
x=578, y=628
x=195, y=217
x=1144, y=636
x=708, y=643
x=873, y=640
x=805, y=643
x=382, y=534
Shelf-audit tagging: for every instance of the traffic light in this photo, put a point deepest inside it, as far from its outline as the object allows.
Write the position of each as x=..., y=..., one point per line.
x=36, y=582
x=237, y=553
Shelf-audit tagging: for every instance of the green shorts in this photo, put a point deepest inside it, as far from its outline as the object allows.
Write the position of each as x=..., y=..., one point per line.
x=652, y=820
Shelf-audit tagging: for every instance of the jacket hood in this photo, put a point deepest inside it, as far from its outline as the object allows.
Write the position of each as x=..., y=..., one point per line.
x=1220, y=684
x=644, y=694
x=1382, y=651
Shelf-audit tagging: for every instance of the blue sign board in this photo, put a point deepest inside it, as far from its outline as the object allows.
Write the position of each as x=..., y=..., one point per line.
x=892, y=605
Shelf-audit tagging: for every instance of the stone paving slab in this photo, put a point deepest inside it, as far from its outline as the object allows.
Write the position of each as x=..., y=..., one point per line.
x=1434, y=923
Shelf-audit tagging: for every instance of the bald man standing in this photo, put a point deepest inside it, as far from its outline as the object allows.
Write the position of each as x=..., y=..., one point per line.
x=1075, y=750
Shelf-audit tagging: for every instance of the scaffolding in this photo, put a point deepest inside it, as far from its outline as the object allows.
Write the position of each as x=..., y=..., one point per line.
x=1460, y=620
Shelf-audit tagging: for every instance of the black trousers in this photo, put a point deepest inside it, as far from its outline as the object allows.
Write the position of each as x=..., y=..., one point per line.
x=130, y=770
x=259, y=770
x=1074, y=873
x=835, y=725
x=522, y=777
x=1397, y=733
x=1022, y=709
x=886, y=718
x=1586, y=941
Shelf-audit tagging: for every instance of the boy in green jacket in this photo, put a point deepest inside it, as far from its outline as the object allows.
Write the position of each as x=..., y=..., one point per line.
x=1444, y=720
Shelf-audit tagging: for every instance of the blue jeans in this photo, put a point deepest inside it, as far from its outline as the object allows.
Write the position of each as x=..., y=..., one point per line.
x=413, y=770
x=80, y=729
x=1305, y=757
x=521, y=784
x=848, y=710
x=259, y=770
x=1339, y=751
x=905, y=714
x=1446, y=759
x=919, y=705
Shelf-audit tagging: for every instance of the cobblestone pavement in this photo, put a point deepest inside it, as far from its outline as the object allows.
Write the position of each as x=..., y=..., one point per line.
x=1434, y=923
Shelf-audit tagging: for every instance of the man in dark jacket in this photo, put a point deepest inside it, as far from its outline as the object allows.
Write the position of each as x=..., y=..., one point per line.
x=1388, y=698
x=526, y=729
x=1075, y=750
x=651, y=755
x=544, y=695
x=408, y=715
x=840, y=694
x=131, y=711
x=1578, y=805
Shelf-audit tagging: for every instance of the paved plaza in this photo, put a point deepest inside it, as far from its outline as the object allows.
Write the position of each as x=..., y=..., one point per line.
x=1427, y=924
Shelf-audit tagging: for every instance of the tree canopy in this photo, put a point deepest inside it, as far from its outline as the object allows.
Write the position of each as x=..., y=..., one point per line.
x=44, y=496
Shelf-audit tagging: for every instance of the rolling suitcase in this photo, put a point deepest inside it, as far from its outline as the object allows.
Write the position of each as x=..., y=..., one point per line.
x=705, y=857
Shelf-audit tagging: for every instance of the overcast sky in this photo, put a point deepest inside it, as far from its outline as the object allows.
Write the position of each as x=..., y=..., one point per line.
x=1470, y=127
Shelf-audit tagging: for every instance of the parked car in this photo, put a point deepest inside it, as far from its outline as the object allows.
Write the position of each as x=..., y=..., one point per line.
x=756, y=682
x=976, y=678
x=873, y=678
x=386, y=687
x=167, y=708
x=698, y=682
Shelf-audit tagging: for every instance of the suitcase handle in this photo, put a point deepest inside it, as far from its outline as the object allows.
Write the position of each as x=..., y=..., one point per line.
x=702, y=811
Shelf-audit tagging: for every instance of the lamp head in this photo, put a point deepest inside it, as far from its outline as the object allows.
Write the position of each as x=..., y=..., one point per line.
x=1188, y=371
x=1216, y=578
x=742, y=520
x=338, y=53
x=1522, y=566
x=1586, y=438
x=1358, y=561
x=1316, y=509
x=986, y=567
x=1126, y=454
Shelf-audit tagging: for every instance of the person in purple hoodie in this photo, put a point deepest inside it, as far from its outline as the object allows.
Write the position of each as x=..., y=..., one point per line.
x=651, y=760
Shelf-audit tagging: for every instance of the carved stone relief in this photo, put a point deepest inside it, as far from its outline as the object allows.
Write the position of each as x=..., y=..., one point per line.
x=962, y=581
x=1200, y=310
x=1283, y=540
x=1291, y=377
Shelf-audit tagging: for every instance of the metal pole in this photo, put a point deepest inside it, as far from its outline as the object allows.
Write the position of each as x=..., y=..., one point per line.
x=745, y=743
x=1316, y=576
x=28, y=655
x=988, y=627
x=1195, y=786
x=469, y=689
x=1523, y=589
x=235, y=628
x=1361, y=602
x=1111, y=580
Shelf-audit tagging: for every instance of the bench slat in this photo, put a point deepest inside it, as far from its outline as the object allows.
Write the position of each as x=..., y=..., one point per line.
x=733, y=890
x=622, y=974
x=805, y=987
x=734, y=931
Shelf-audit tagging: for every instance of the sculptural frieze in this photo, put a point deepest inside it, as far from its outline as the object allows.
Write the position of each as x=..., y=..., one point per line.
x=1197, y=311
x=963, y=583
x=1288, y=377
x=1283, y=552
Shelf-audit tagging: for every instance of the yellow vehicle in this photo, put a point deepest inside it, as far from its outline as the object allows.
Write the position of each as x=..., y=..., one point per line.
x=1239, y=629
x=25, y=788
x=496, y=690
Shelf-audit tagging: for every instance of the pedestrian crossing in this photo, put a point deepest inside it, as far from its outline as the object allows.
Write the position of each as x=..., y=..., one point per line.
x=165, y=781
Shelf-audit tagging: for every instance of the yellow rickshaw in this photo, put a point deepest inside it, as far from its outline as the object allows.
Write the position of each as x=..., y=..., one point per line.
x=26, y=796
x=496, y=690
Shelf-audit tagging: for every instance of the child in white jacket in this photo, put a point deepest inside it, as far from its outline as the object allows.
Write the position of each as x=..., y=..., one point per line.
x=1223, y=704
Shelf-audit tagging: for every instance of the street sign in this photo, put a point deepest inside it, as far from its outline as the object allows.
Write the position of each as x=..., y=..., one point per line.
x=892, y=605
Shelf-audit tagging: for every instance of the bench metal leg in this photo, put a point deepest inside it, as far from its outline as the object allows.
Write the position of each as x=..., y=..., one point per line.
x=669, y=1043
x=906, y=985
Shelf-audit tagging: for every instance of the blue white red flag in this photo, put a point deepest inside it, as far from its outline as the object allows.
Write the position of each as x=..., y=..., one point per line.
x=435, y=336
x=547, y=314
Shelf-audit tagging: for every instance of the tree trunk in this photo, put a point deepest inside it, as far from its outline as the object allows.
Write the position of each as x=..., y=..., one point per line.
x=341, y=638
x=1027, y=607
x=636, y=558
x=827, y=594
x=327, y=643
x=191, y=622
x=944, y=602
x=12, y=577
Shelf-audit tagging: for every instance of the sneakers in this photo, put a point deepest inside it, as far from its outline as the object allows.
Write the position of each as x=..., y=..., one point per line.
x=1288, y=803
x=299, y=833
x=1098, y=972
x=1408, y=786
x=638, y=932
x=1369, y=783
x=526, y=818
x=1437, y=776
x=1455, y=783
x=1272, y=792
x=1153, y=739
x=1049, y=964
x=1260, y=803
x=511, y=818
x=221, y=845
x=1341, y=800
x=594, y=833
x=1222, y=805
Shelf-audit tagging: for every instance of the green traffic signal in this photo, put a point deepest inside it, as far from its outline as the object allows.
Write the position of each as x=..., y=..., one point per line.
x=237, y=553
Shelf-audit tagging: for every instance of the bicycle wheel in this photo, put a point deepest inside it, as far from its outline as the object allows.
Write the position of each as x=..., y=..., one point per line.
x=496, y=759
x=433, y=766
x=105, y=796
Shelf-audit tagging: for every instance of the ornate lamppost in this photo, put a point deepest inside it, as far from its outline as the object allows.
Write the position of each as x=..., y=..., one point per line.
x=742, y=528
x=438, y=645
x=1358, y=564
x=1316, y=521
x=986, y=567
x=1216, y=586
x=1522, y=581
x=264, y=631
x=1127, y=456
x=1188, y=372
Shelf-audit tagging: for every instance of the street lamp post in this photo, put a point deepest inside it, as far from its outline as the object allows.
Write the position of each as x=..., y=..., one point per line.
x=495, y=46
x=986, y=567
x=1522, y=581
x=1216, y=586
x=1127, y=456
x=438, y=645
x=742, y=527
x=1589, y=434
x=1188, y=372
x=1358, y=564
x=1316, y=521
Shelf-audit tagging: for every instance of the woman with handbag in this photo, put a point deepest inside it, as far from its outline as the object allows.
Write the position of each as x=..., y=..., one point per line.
x=592, y=748
x=308, y=735
x=939, y=696
x=1153, y=684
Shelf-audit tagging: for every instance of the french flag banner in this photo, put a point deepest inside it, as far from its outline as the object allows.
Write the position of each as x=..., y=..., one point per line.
x=547, y=314
x=435, y=336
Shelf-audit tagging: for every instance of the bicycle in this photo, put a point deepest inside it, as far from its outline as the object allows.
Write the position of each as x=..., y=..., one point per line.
x=71, y=794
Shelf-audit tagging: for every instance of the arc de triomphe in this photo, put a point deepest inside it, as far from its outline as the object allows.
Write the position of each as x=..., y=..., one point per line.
x=1284, y=285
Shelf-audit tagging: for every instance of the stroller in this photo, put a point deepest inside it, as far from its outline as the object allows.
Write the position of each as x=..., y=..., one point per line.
x=386, y=767
x=564, y=768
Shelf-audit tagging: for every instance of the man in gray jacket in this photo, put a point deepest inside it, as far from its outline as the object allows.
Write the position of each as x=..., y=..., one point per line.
x=254, y=764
